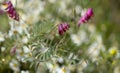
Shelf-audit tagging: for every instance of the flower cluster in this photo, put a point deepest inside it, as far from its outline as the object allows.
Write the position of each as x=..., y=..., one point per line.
x=11, y=10
x=86, y=16
x=63, y=27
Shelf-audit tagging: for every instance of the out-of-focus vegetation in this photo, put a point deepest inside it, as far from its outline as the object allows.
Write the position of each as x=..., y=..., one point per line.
x=37, y=46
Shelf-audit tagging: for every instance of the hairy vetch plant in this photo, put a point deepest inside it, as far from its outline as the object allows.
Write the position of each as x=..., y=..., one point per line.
x=44, y=38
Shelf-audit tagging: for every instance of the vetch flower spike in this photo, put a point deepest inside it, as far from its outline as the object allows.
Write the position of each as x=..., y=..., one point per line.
x=63, y=27
x=11, y=10
x=86, y=16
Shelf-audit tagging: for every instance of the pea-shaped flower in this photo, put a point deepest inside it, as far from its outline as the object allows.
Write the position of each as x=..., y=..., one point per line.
x=11, y=10
x=62, y=28
x=89, y=13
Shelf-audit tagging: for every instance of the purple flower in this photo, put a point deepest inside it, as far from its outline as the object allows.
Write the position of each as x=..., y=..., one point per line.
x=13, y=50
x=86, y=16
x=90, y=12
x=11, y=10
x=63, y=27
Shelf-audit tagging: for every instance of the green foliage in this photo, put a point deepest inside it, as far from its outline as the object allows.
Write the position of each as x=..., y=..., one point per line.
x=89, y=48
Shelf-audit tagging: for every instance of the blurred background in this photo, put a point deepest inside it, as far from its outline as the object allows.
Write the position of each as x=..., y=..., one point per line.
x=91, y=48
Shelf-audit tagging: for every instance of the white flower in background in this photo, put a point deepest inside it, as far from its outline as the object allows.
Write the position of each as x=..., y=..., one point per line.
x=15, y=31
x=27, y=53
x=79, y=38
x=118, y=54
x=13, y=2
x=91, y=29
x=3, y=49
x=95, y=48
x=18, y=28
x=117, y=69
x=1, y=1
x=24, y=26
x=70, y=56
x=25, y=39
x=19, y=54
x=26, y=49
x=21, y=4
x=24, y=71
x=57, y=69
x=83, y=12
x=24, y=53
x=53, y=67
x=75, y=39
x=1, y=37
x=50, y=66
x=14, y=65
x=32, y=11
x=52, y=1
x=82, y=65
x=99, y=39
x=60, y=70
x=62, y=7
x=61, y=60
x=78, y=9
x=68, y=12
